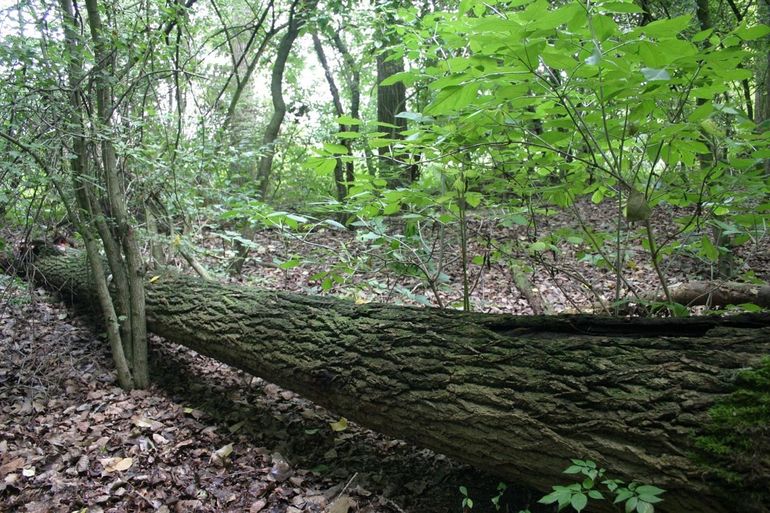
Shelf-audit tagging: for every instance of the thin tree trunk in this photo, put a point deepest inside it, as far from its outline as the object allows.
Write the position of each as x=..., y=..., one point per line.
x=297, y=18
x=339, y=176
x=87, y=213
x=762, y=95
x=264, y=170
x=134, y=266
x=353, y=78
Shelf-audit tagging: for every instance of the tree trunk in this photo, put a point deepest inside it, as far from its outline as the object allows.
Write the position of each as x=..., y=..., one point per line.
x=297, y=17
x=391, y=100
x=719, y=294
x=514, y=395
x=762, y=94
x=340, y=175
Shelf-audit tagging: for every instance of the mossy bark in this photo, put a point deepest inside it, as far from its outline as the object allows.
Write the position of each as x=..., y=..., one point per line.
x=518, y=396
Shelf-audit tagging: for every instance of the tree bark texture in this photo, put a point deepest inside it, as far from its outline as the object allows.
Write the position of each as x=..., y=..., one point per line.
x=517, y=396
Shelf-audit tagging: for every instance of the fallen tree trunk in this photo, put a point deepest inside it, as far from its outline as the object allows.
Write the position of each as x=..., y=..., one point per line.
x=517, y=396
x=720, y=294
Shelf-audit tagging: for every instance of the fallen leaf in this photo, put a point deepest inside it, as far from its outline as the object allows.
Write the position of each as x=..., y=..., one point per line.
x=116, y=464
x=257, y=506
x=340, y=505
x=222, y=455
x=188, y=505
x=11, y=466
x=281, y=470
x=142, y=422
x=340, y=425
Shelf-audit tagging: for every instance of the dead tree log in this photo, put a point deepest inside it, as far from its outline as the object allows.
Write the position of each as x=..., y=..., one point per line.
x=720, y=294
x=514, y=395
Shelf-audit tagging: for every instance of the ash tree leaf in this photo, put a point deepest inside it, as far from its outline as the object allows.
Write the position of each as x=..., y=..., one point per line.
x=666, y=28
x=335, y=148
x=290, y=264
x=348, y=135
x=621, y=7
x=453, y=98
x=644, y=507
x=473, y=198
x=558, y=17
x=653, y=74
x=552, y=497
x=414, y=116
x=347, y=120
x=752, y=33
x=407, y=77
x=334, y=224
x=649, y=490
x=595, y=57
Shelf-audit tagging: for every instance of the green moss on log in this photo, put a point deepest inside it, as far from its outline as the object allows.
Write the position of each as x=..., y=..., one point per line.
x=736, y=439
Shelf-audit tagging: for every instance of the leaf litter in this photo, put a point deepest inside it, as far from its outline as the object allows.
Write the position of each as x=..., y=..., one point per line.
x=203, y=438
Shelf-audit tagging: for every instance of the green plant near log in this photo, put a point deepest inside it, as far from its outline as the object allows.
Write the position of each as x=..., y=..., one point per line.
x=635, y=498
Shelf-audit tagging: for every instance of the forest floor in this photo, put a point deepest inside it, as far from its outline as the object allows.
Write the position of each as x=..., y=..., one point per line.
x=71, y=440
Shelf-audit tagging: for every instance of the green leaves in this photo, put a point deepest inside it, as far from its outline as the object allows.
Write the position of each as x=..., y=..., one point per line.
x=667, y=28
x=752, y=33
x=652, y=74
x=336, y=149
x=621, y=7
x=637, y=498
x=453, y=99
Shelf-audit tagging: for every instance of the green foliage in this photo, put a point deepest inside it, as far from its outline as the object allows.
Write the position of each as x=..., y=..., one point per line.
x=554, y=103
x=635, y=497
x=467, y=502
x=519, y=108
